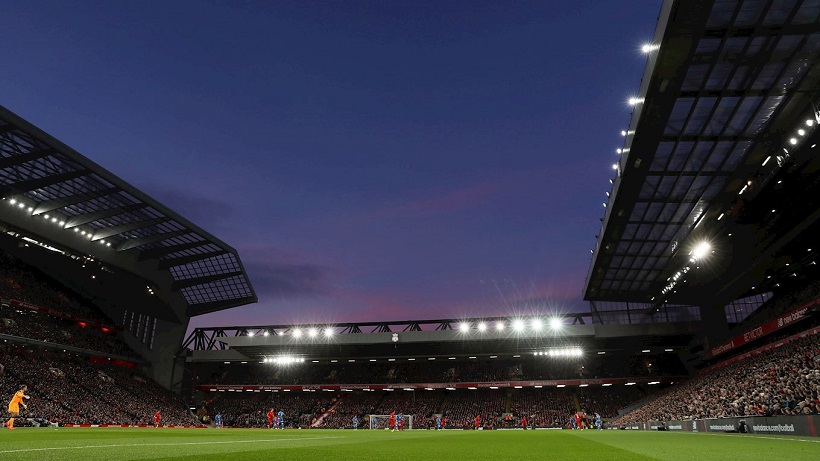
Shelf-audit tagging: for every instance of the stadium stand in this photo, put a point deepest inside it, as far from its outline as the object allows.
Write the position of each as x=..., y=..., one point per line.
x=37, y=308
x=782, y=381
x=78, y=389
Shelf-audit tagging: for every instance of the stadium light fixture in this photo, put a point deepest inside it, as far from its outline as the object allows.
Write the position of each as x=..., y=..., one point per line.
x=606, y=384
x=701, y=250
x=297, y=333
x=629, y=384
x=793, y=141
x=328, y=332
x=634, y=101
x=623, y=132
x=801, y=132
x=647, y=48
x=464, y=327
x=266, y=333
x=561, y=385
x=499, y=325
x=251, y=334
x=555, y=323
x=583, y=385
x=313, y=332
x=536, y=324
x=482, y=326
x=614, y=166
x=809, y=122
x=518, y=325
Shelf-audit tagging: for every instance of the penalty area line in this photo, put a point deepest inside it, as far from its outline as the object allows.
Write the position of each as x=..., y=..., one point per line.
x=120, y=445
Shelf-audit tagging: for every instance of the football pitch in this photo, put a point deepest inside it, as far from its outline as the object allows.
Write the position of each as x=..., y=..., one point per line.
x=88, y=444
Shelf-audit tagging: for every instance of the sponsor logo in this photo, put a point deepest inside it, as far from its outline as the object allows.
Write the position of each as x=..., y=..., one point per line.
x=675, y=427
x=774, y=428
x=752, y=335
x=721, y=427
x=723, y=348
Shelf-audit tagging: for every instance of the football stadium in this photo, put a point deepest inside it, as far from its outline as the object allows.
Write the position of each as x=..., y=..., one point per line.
x=700, y=338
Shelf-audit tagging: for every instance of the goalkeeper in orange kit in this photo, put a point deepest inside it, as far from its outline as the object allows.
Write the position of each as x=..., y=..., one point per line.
x=14, y=405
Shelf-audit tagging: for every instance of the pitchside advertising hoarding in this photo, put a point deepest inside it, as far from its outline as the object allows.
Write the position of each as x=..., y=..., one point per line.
x=805, y=425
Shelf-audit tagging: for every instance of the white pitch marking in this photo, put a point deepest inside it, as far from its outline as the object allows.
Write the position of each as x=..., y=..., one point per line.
x=164, y=444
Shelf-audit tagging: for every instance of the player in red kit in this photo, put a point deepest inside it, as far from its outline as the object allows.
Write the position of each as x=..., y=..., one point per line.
x=270, y=419
x=157, y=418
x=477, y=422
x=524, y=422
x=392, y=421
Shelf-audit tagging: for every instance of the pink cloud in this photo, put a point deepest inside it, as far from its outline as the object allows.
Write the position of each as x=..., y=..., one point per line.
x=454, y=200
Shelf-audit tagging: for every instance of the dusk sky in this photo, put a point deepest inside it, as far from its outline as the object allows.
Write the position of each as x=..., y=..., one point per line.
x=369, y=160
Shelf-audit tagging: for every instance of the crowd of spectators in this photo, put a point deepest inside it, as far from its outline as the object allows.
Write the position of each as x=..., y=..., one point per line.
x=30, y=324
x=71, y=389
x=249, y=409
x=782, y=381
x=461, y=408
x=24, y=283
x=542, y=408
x=79, y=323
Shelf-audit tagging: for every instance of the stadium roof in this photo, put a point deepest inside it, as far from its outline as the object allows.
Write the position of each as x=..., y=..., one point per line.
x=51, y=189
x=432, y=338
x=726, y=109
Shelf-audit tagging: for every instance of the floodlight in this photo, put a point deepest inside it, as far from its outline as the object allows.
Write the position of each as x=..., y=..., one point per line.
x=464, y=327
x=251, y=334
x=801, y=132
x=701, y=250
x=536, y=324
x=518, y=325
x=793, y=141
x=328, y=332
x=649, y=47
x=499, y=325
x=313, y=332
x=555, y=323
x=635, y=101
x=297, y=333
x=482, y=326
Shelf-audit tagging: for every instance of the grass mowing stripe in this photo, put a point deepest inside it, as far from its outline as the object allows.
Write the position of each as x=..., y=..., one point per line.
x=120, y=445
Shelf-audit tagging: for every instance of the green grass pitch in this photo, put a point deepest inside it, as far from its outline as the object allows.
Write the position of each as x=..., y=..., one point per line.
x=90, y=444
